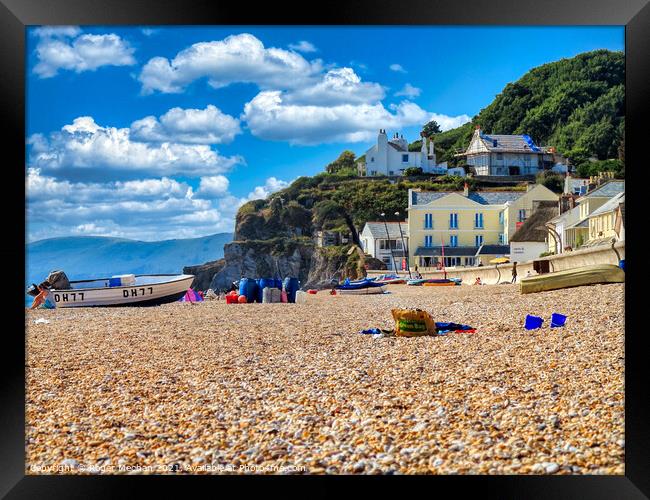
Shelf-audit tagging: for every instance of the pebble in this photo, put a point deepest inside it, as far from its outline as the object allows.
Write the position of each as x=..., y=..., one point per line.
x=266, y=384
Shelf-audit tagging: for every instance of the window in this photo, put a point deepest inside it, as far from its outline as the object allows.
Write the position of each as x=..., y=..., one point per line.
x=501, y=239
x=469, y=261
x=394, y=244
x=478, y=240
x=428, y=241
x=453, y=221
x=499, y=156
x=501, y=218
x=452, y=261
x=372, y=159
x=386, y=260
x=390, y=172
x=522, y=215
x=405, y=158
x=478, y=220
x=453, y=240
x=428, y=221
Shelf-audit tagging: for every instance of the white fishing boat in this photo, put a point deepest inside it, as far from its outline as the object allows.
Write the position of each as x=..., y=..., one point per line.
x=362, y=291
x=144, y=290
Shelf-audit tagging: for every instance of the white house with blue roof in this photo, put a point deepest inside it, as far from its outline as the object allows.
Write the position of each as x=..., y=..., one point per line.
x=468, y=227
x=498, y=154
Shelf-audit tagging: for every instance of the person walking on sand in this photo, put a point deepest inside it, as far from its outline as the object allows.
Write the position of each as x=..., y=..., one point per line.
x=514, y=272
x=44, y=297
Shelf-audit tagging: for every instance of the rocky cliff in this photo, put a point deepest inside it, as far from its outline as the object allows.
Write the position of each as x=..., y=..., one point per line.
x=204, y=273
x=259, y=258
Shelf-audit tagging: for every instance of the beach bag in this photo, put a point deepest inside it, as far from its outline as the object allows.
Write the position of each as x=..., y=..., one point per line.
x=58, y=280
x=413, y=323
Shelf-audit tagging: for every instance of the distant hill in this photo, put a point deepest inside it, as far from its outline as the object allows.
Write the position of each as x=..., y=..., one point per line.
x=84, y=257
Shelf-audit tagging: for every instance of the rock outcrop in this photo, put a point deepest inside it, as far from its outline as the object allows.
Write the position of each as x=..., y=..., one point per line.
x=255, y=259
x=204, y=273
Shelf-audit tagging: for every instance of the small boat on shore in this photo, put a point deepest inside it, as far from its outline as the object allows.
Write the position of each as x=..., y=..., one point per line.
x=392, y=281
x=144, y=290
x=361, y=288
x=587, y=275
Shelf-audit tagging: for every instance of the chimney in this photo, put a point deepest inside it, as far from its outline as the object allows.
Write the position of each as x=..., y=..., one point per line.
x=466, y=190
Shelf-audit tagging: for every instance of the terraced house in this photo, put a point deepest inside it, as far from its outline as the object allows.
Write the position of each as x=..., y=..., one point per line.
x=473, y=227
x=594, y=226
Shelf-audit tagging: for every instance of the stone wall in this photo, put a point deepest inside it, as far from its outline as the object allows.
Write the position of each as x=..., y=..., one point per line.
x=493, y=274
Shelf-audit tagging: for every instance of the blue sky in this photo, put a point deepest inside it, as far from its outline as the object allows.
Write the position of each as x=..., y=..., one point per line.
x=162, y=132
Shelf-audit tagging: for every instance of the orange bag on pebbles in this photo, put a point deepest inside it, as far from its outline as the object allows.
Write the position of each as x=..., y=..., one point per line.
x=413, y=323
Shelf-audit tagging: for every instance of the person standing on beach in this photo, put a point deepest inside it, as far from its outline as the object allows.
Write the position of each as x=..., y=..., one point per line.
x=514, y=272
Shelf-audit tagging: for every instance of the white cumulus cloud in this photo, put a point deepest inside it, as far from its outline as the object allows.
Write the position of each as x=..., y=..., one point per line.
x=269, y=117
x=195, y=126
x=447, y=122
x=213, y=186
x=303, y=46
x=409, y=91
x=237, y=58
x=271, y=185
x=85, y=144
x=149, y=209
x=337, y=86
x=65, y=48
x=397, y=67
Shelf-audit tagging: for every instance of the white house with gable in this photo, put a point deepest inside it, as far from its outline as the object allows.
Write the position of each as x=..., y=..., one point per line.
x=392, y=157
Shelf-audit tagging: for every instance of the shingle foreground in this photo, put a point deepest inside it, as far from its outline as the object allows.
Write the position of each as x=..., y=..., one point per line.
x=189, y=387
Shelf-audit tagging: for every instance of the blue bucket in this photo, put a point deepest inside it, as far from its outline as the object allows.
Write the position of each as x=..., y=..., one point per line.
x=291, y=285
x=533, y=322
x=557, y=320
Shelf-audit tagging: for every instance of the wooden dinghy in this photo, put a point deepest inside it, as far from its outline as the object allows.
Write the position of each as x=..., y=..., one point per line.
x=587, y=275
x=145, y=290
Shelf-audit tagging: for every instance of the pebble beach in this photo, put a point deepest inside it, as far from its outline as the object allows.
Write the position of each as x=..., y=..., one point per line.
x=210, y=388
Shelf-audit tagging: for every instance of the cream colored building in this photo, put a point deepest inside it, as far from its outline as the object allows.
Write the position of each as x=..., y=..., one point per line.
x=602, y=222
x=472, y=227
x=580, y=233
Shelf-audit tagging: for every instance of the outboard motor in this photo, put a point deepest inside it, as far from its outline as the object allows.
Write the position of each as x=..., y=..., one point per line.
x=58, y=280
x=32, y=290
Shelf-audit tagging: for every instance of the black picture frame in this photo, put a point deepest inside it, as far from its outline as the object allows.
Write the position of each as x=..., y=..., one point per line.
x=15, y=15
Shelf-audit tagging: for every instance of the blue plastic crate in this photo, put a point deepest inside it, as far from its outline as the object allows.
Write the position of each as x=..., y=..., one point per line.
x=114, y=282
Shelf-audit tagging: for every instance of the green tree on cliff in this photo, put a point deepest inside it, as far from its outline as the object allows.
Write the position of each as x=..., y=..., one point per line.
x=431, y=128
x=330, y=211
x=343, y=165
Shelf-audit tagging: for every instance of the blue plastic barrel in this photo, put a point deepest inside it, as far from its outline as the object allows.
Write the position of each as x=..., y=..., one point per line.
x=248, y=288
x=277, y=283
x=291, y=285
x=264, y=283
